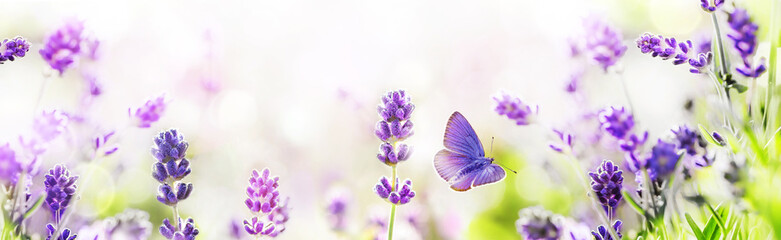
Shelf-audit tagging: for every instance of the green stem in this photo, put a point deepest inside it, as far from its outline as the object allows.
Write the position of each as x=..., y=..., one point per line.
x=176, y=217
x=775, y=38
x=393, y=206
x=722, y=56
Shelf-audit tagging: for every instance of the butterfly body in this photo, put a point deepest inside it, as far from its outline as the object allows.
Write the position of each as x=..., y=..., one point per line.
x=463, y=163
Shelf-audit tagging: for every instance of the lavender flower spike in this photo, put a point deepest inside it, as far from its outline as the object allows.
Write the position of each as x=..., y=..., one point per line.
x=401, y=196
x=616, y=121
x=606, y=183
x=149, y=113
x=270, y=214
x=669, y=48
x=603, y=234
x=603, y=43
x=169, y=145
x=536, y=223
x=279, y=216
x=13, y=48
x=662, y=161
x=515, y=109
x=60, y=187
x=65, y=235
x=9, y=166
x=188, y=232
x=395, y=126
x=745, y=37
x=49, y=125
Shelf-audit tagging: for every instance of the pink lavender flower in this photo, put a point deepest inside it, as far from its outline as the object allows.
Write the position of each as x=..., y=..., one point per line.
x=745, y=38
x=60, y=187
x=262, y=200
x=536, y=223
x=606, y=183
x=49, y=125
x=711, y=5
x=395, y=126
x=13, y=48
x=61, y=48
x=150, y=113
x=602, y=42
x=402, y=194
x=603, y=234
x=514, y=108
x=186, y=232
x=667, y=48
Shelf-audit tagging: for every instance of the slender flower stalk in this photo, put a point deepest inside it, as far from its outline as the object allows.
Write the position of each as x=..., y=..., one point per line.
x=171, y=167
x=395, y=126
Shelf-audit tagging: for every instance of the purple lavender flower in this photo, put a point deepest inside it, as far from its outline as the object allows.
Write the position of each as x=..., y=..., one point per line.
x=603, y=234
x=65, y=235
x=662, y=161
x=49, y=125
x=263, y=201
x=711, y=5
x=395, y=126
x=401, y=196
x=514, y=108
x=169, y=145
x=566, y=141
x=279, y=216
x=603, y=43
x=745, y=38
x=61, y=48
x=606, y=183
x=9, y=166
x=170, y=196
x=536, y=223
x=616, y=121
x=13, y=48
x=60, y=187
x=188, y=232
x=669, y=48
x=150, y=112
x=101, y=144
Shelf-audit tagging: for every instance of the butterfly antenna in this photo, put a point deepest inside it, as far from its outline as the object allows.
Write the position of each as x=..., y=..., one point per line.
x=505, y=167
x=492, y=146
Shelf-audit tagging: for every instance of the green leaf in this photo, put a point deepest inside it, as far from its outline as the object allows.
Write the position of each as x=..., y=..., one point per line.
x=708, y=137
x=719, y=220
x=34, y=207
x=695, y=228
x=633, y=203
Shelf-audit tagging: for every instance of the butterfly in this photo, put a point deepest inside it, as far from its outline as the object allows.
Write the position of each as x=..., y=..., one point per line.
x=463, y=163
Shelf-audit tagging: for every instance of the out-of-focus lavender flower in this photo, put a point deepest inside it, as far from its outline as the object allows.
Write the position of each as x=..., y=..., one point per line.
x=689, y=140
x=49, y=125
x=606, y=183
x=256, y=226
x=130, y=224
x=279, y=216
x=719, y=139
x=169, y=145
x=745, y=38
x=9, y=166
x=602, y=233
x=235, y=229
x=188, y=232
x=13, y=48
x=395, y=125
x=711, y=5
x=336, y=209
x=667, y=48
x=66, y=234
x=150, y=113
x=573, y=83
x=62, y=48
x=94, y=88
x=602, y=42
x=101, y=145
x=514, y=108
x=60, y=187
x=703, y=43
x=566, y=141
x=616, y=121
x=536, y=223
x=662, y=160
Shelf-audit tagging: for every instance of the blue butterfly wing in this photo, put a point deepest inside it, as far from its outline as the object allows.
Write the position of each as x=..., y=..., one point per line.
x=490, y=174
x=448, y=164
x=461, y=138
